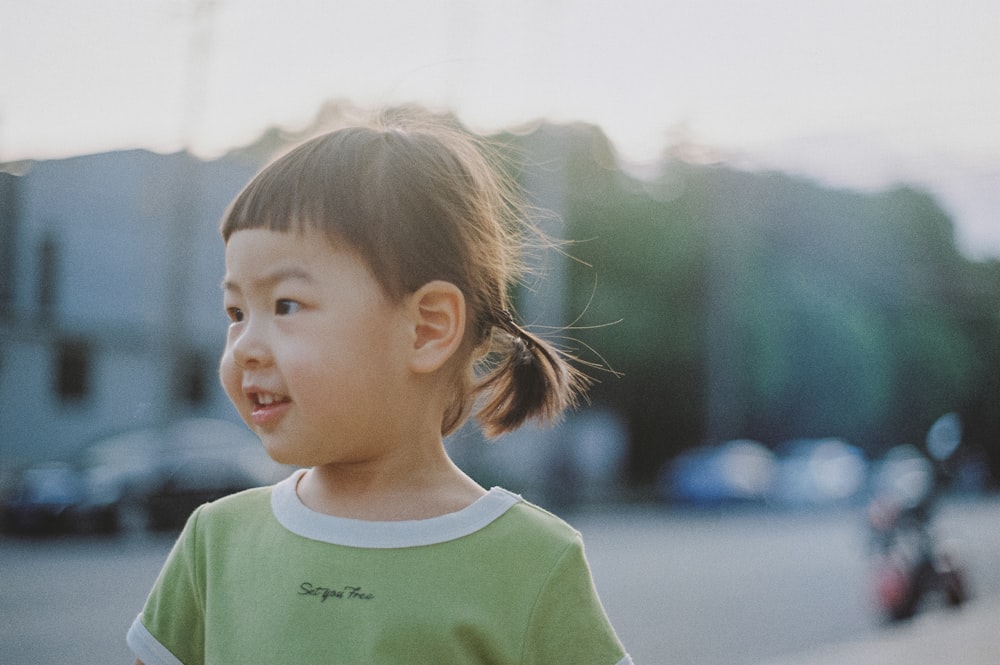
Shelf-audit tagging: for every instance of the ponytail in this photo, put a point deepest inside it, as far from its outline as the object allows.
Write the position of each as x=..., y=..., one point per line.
x=531, y=379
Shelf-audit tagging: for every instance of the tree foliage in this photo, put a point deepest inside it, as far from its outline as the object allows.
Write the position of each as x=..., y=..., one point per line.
x=759, y=305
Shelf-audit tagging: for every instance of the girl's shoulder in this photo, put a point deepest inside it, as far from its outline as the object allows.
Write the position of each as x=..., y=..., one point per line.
x=248, y=499
x=528, y=521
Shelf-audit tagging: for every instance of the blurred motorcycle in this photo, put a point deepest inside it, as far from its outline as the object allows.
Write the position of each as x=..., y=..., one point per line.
x=910, y=561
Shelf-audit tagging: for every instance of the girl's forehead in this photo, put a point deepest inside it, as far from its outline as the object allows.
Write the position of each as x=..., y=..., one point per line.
x=263, y=257
x=306, y=242
x=255, y=250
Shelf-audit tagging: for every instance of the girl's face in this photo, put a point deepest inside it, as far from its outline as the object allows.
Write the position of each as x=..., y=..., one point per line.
x=313, y=358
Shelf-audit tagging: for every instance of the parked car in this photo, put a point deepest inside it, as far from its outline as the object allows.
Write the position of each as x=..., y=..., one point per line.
x=163, y=473
x=189, y=481
x=204, y=460
x=121, y=465
x=55, y=498
x=819, y=472
x=737, y=471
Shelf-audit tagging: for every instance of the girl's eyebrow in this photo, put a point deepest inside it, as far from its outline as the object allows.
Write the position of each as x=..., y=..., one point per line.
x=270, y=279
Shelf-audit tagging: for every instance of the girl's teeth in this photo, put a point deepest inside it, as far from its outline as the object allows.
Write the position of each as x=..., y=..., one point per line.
x=265, y=400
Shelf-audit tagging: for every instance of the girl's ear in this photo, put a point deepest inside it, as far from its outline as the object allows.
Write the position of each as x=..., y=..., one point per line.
x=438, y=315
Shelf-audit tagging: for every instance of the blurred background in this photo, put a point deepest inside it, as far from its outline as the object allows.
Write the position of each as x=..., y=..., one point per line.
x=783, y=249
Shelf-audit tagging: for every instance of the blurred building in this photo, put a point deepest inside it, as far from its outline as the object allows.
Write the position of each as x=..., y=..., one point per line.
x=110, y=314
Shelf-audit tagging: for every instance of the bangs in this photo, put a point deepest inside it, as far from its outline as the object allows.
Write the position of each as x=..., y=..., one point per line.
x=313, y=187
x=410, y=203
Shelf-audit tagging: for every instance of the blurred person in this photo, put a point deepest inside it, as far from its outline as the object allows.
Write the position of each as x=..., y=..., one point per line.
x=367, y=278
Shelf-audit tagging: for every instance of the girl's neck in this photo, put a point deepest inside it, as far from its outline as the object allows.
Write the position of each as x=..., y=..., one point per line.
x=389, y=490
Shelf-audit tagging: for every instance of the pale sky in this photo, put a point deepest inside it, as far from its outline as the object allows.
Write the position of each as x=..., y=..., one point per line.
x=921, y=77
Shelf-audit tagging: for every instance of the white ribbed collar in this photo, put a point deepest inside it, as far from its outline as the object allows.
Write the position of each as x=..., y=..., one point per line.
x=300, y=520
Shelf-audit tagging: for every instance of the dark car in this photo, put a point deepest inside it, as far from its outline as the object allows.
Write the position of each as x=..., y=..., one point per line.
x=192, y=481
x=201, y=460
x=56, y=498
x=42, y=500
x=156, y=476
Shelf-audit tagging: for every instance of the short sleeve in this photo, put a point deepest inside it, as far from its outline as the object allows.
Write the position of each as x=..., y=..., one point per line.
x=568, y=622
x=171, y=628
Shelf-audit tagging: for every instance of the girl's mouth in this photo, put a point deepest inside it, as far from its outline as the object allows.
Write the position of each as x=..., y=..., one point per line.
x=268, y=399
x=268, y=408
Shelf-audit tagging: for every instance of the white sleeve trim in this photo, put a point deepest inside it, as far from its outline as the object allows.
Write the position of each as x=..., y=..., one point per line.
x=627, y=660
x=147, y=648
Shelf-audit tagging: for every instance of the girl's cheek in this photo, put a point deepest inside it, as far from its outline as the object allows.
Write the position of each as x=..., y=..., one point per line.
x=229, y=375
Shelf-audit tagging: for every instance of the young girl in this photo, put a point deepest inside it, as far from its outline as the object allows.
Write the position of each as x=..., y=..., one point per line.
x=367, y=276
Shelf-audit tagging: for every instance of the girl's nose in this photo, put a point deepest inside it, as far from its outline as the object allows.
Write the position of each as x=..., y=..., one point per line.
x=249, y=348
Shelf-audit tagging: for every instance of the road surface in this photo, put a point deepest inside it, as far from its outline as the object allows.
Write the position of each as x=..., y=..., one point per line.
x=681, y=588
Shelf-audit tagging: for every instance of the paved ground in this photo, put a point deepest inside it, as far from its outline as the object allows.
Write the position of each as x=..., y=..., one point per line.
x=782, y=589
x=969, y=636
x=682, y=589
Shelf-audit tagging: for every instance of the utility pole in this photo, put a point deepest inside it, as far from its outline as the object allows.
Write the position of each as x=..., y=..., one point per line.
x=185, y=215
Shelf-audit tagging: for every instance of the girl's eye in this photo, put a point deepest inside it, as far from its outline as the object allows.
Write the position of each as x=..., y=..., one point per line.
x=235, y=314
x=284, y=307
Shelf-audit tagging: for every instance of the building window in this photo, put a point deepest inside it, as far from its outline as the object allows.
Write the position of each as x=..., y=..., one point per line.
x=73, y=371
x=193, y=379
x=48, y=275
x=10, y=223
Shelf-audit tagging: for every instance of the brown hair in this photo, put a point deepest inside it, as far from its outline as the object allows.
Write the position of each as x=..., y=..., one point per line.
x=419, y=200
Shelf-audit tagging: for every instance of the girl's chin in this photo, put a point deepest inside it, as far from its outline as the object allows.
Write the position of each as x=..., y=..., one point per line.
x=278, y=451
x=282, y=452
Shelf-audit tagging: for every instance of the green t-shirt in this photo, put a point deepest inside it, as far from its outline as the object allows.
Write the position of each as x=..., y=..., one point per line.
x=258, y=578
